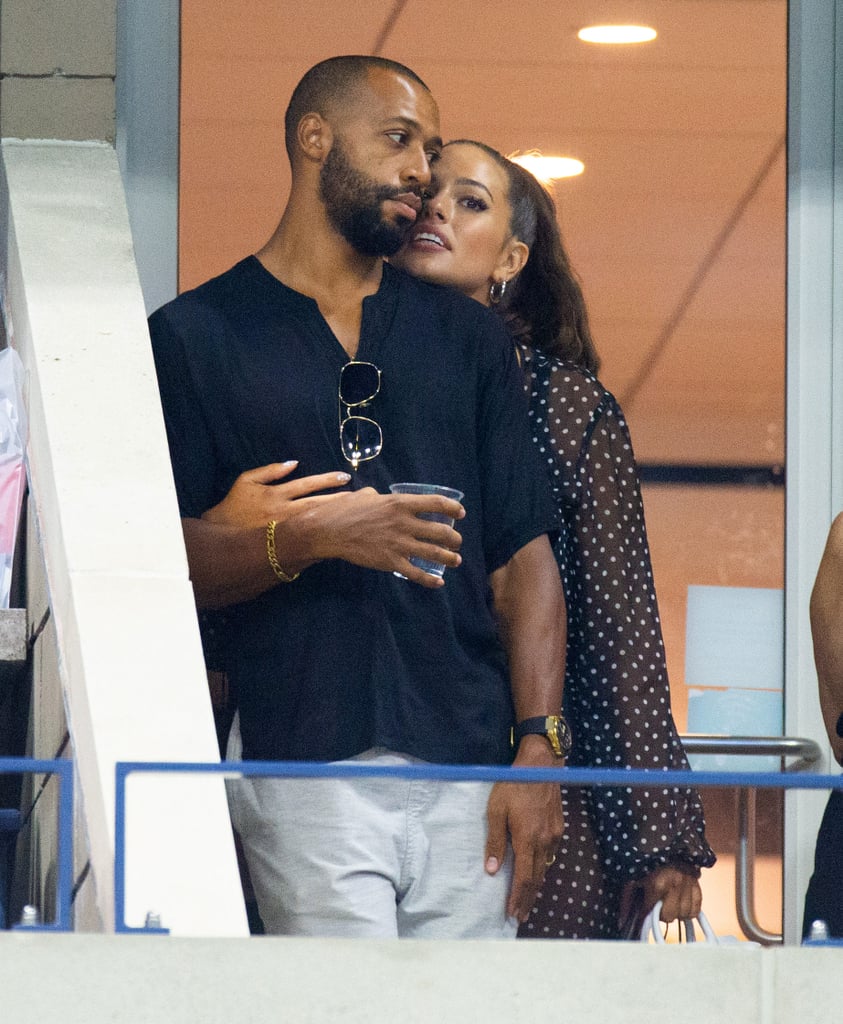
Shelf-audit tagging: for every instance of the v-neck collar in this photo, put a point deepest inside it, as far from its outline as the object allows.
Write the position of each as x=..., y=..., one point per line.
x=378, y=309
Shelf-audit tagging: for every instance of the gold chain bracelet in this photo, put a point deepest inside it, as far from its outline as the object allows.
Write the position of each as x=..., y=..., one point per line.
x=273, y=558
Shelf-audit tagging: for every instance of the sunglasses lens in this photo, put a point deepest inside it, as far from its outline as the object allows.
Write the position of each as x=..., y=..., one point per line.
x=359, y=383
x=361, y=439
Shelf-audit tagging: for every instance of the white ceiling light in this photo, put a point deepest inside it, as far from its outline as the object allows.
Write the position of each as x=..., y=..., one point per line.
x=549, y=168
x=617, y=34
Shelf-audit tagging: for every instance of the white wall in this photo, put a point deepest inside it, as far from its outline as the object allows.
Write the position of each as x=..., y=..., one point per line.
x=129, y=657
x=128, y=979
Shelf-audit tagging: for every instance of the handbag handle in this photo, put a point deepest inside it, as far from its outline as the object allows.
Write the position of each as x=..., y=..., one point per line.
x=650, y=927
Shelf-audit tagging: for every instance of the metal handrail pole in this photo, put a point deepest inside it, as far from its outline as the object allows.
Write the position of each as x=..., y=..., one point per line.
x=745, y=873
x=808, y=753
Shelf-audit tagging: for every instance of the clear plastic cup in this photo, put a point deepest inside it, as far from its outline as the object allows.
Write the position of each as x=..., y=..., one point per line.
x=434, y=568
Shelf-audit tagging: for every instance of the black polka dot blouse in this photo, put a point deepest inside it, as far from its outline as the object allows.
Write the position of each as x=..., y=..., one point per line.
x=617, y=698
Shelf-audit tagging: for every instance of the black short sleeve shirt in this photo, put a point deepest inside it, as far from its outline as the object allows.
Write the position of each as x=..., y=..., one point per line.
x=348, y=658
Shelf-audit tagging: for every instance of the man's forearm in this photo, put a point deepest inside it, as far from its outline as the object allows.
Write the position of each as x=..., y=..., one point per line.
x=531, y=609
x=530, y=606
x=227, y=549
x=228, y=564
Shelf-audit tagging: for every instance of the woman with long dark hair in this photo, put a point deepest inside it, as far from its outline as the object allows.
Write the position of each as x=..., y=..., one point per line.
x=489, y=229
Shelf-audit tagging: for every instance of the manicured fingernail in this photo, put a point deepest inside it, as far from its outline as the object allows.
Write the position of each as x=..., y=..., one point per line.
x=492, y=865
x=343, y=477
x=290, y=462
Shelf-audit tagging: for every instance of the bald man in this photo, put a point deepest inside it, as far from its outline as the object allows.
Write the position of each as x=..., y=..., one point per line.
x=338, y=646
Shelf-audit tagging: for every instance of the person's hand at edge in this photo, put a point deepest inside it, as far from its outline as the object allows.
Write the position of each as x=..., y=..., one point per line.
x=256, y=496
x=530, y=816
x=676, y=885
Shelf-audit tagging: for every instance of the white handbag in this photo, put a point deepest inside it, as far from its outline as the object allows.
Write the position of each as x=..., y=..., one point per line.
x=651, y=929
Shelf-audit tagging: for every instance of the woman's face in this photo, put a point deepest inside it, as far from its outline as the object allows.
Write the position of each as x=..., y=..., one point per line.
x=462, y=237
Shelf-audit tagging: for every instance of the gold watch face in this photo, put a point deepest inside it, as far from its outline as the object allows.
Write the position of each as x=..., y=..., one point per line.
x=554, y=728
x=559, y=735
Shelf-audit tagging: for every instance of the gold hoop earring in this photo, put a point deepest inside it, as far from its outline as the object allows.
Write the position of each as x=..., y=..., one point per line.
x=496, y=291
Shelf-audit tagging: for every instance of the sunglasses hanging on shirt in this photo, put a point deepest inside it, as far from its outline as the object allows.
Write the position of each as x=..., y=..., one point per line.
x=361, y=438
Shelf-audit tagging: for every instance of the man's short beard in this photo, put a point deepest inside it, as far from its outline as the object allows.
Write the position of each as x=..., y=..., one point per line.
x=353, y=205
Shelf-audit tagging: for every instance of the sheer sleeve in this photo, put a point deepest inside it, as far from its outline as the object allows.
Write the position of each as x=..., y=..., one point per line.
x=616, y=686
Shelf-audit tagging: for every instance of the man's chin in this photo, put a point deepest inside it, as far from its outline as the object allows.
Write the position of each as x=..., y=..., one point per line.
x=402, y=226
x=390, y=240
x=387, y=252
x=382, y=239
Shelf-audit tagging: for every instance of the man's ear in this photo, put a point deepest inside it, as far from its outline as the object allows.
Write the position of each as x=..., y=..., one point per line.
x=315, y=137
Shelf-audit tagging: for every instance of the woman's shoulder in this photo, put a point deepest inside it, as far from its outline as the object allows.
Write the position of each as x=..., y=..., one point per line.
x=569, y=382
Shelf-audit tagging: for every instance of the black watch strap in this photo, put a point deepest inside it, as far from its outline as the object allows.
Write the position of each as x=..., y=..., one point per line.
x=554, y=728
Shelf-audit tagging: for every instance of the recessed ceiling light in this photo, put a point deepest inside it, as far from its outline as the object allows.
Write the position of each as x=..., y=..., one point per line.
x=549, y=168
x=617, y=34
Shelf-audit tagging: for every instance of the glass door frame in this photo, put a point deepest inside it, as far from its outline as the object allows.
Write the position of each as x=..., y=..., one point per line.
x=814, y=387
x=148, y=74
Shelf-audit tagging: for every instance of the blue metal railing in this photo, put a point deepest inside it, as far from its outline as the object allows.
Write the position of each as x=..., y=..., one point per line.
x=569, y=776
x=63, y=769
x=446, y=773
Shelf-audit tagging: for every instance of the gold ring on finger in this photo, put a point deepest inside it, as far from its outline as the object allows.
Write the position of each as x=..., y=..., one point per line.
x=550, y=860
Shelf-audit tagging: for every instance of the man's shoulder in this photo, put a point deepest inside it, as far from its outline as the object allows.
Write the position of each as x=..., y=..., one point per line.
x=450, y=306
x=210, y=296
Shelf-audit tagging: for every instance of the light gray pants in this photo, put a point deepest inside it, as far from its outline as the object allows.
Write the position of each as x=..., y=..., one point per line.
x=370, y=857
